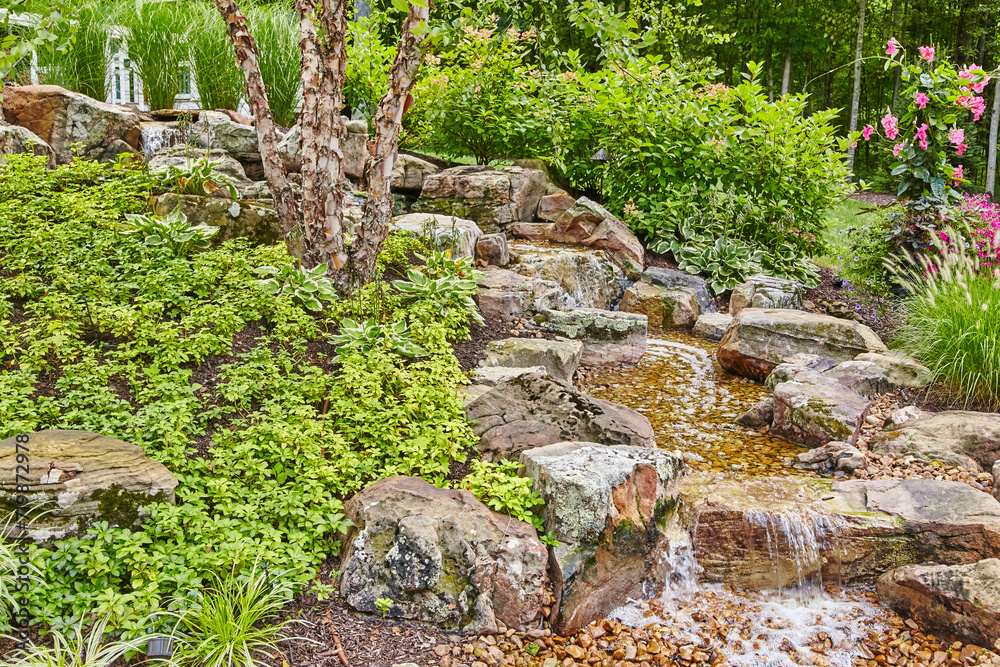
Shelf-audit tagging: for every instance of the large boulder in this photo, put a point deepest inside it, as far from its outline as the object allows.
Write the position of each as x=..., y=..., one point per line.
x=240, y=140
x=560, y=358
x=864, y=377
x=712, y=326
x=588, y=277
x=409, y=172
x=812, y=409
x=766, y=292
x=218, y=131
x=534, y=410
x=551, y=207
x=507, y=295
x=758, y=340
x=901, y=370
x=446, y=232
x=673, y=279
x=609, y=508
x=590, y=224
x=442, y=557
x=969, y=440
x=609, y=338
x=768, y=533
x=492, y=249
x=62, y=118
x=236, y=219
x=956, y=602
x=664, y=308
x=493, y=198
x=78, y=477
x=182, y=156
x=14, y=139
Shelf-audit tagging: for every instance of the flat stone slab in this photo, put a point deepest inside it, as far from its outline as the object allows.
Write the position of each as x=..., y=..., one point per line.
x=559, y=358
x=493, y=375
x=712, y=326
x=969, y=440
x=610, y=338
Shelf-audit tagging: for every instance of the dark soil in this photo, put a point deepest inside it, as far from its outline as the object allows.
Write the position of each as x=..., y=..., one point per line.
x=885, y=311
x=470, y=352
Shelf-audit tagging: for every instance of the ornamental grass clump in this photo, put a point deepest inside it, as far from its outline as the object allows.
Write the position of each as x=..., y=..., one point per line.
x=952, y=320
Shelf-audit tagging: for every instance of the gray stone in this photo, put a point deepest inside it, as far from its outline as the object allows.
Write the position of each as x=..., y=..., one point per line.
x=14, y=139
x=955, y=602
x=446, y=232
x=812, y=409
x=354, y=145
x=762, y=414
x=237, y=219
x=609, y=508
x=493, y=198
x=664, y=308
x=590, y=224
x=610, y=338
x=551, y=207
x=712, y=326
x=812, y=362
x=588, y=277
x=490, y=376
x=864, y=377
x=996, y=480
x=535, y=410
x=78, y=477
x=902, y=371
x=63, y=119
x=409, y=172
x=766, y=292
x=758, y=340
x=783, y=373
x=832, y=457
x=968, y=440
x=182, y=157
x=218, y=131
x=506, y=295
x=492, y=249
x=559, y=357
x=681, y=280
x=442, y=557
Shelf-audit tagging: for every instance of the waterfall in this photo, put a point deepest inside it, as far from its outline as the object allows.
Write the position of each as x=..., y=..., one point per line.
x=158, y=135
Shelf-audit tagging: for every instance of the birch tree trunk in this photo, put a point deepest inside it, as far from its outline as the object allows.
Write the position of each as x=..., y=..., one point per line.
x=856, y=96
x=991, y=153
x=245, y=47
x=786, y=76
x=383, y=150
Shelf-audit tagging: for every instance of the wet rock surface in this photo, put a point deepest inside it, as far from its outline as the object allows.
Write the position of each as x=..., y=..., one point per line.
x=608, y=507
x=673, y=279
x=442, y=557
x=560, y=358
x=535, y=410
x=712, y=326
x=831, y=458
x=609, y=338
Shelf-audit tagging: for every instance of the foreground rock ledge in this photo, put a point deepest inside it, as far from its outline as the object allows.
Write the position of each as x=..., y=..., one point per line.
x=82, y=477
x=443, y=558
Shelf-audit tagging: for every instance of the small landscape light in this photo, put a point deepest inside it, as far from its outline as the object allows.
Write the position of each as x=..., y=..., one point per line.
x=160, y=648
x=601, y=156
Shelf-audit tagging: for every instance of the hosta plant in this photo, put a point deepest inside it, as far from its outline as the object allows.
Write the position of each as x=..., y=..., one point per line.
x=439, y=264
x=197, y=178
x=308, y=287
x=370, y=335
x=171, y=231
x=448, y=293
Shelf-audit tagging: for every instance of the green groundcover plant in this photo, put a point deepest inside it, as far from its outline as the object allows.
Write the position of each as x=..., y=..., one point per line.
x=231, y=386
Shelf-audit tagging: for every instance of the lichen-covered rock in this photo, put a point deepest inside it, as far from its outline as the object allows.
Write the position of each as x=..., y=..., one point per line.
x=590, y=224
x=448, y=232
x=492, y=249
x=78, y=477
x=218, y=131
x=665, y=308
x=237, y=219
x=969, y=440
x=681, y=280
x=442, y=557
x=955, y=602
x=712, y=326
x=901, y=370
x=864, y=377
x=62, y=118
x=535, y=410
x=766, y=292
x=610, y=338
x=812, y=409
x=758, y=340
x=831, y=458
x=551, y=207
x=506, y=295
x=560, y=358
x=493, y=198
x=490, y=376
x=768, y=533
x=410, y=171
x=588, y=277
x=609, y=508
x=14, y=139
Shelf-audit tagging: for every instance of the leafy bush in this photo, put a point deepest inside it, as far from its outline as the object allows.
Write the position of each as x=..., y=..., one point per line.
x=440, y=264
x=368, y=63
x=369, y=335
x=197, y=177
x=499, y=487
x=952, y=322
x=308, y=287
x=171, y=231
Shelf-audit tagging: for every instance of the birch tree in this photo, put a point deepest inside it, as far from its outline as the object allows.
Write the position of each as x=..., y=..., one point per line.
x=856, y=95
x=991, y=151
x=323, y=30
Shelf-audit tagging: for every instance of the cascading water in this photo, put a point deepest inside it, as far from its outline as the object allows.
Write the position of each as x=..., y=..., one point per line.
x=156, y=135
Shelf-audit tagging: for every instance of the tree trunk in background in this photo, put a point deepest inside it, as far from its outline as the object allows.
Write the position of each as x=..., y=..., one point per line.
x=382, y=150
x=856, y=96
x=991, y=153
x=786, y=76
x=896, y=15
x=267, y=138
x=770, y=78
x=324, y=64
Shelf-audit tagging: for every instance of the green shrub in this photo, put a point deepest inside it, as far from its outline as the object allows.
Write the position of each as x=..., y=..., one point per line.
x=500, y=488
x=952, y=319
x=171, y=231
x=197, y=177
x=368, y=63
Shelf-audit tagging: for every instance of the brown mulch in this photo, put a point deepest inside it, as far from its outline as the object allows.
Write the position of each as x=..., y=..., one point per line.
x=886, y=311
x=470, y=352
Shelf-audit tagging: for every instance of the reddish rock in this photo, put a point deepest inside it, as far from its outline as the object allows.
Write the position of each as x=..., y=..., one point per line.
x=590, y=224
x=532, y=231
x=551, y=207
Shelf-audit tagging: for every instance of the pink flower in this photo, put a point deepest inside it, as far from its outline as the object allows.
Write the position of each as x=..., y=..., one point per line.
x=868, y=132
x=922, y=132
x=897, y=149
x=979, y=86
x=977, y=106
x=956, y=135
x=921, y=100
x=889, y=124
x=967, y=73
x=963, y=101
x=957, y=174
x=892, y=47
x=923, y=144
x=927, y=53
x=961, y=149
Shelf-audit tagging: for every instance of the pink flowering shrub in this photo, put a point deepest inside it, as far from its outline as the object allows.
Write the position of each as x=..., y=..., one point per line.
x=984, y=218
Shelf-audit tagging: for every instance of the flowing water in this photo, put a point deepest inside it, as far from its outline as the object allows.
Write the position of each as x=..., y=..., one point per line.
x=156, y=136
